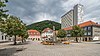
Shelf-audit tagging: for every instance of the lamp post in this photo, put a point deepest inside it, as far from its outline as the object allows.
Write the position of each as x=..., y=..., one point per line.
x=54, y=34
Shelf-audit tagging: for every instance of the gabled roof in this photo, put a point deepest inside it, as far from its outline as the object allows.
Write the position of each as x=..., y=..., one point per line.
x=33, y=31
x=88, y=23
x=46, y=30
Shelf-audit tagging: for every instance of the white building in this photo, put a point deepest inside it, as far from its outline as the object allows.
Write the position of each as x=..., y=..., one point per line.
x=47, y=34
x=78, y=14
x=3, y=37
x=72, y=17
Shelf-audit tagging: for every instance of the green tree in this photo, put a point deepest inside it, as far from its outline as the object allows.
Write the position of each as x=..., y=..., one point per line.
x=23, y=32
x=2, y=10
x=15, y=27
x=3, y=14
x=25, y=36
x=11, y=25
x=61, y=33
x=40, y=26
x=77, y=32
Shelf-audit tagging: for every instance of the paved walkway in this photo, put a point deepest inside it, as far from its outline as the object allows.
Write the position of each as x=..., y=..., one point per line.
x=75, y=49
x=2, y=45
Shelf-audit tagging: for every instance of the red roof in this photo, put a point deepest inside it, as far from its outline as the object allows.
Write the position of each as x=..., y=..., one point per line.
x=33, y=31
x=88, y=23
x=68, y=28
x=46, y=30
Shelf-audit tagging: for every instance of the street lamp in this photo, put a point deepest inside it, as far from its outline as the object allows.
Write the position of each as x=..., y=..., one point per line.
x=54, y=34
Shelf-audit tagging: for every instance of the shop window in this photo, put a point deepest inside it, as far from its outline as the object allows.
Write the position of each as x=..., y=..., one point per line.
x=38, y=39
x=33, y=39
x=2, y=37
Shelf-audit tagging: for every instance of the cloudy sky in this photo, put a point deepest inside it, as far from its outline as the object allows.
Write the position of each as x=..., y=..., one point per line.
x=31, y=11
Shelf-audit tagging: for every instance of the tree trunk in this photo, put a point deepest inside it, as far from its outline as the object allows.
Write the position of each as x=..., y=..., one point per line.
x=15, y=40
x=76, y=39
x=22, y=39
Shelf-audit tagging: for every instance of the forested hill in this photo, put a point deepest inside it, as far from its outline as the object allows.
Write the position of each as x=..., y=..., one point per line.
x=44, y=24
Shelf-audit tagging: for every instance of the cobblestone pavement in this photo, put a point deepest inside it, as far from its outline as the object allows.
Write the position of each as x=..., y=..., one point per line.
x=5, y=44
x=74, y=49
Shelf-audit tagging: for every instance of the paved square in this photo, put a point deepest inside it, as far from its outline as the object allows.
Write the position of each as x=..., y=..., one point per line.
x=74, y=49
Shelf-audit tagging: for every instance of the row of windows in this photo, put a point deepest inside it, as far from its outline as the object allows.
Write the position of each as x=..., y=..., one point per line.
x=33, y=33
x=88, y=33
x=66, y=22
x=4, y=37
x=68, y=18
x=87, y=28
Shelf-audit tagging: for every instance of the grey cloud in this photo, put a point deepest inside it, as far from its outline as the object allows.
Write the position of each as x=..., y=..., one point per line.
x=29, y=10
x=26, y=8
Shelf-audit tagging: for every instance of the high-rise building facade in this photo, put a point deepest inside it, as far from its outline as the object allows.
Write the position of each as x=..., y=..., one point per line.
x=67, y=19
x=78, y=14
x=73, y=17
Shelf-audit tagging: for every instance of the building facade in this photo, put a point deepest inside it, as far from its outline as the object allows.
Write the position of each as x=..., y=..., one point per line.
x=73, y=17
x=92, y=31
x=34, y=35
x=47, y=34
x=3, y=37
x=78, y=14
x=67, y=19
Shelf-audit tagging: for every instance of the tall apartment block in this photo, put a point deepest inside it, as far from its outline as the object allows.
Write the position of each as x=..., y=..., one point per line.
x=67, y=19
x=72, y=17
x=78, y=14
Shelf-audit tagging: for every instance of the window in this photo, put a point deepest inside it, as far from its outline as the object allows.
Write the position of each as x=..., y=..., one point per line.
x=85, y=33
x=68, y=35
x=89, y=28
x=5, y=37
x=85, y=28
x=89, y=33
x=48, y=30
x=2, y=37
